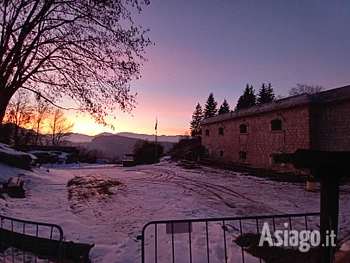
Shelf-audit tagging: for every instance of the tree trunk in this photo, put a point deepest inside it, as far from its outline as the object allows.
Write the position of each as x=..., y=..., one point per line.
x=4, y=100
x=36, y=139
x=2, y=110
x=3, y=105
x=37, y=133
x=16, y=137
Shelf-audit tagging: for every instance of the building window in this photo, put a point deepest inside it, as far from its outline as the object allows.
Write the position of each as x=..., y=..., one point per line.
x=276, y=125
x=221, y=131
x=272, y=158
x=207, y=132
x=221, y=153
x=243, y=128
x=242, y=155
x=208, y=152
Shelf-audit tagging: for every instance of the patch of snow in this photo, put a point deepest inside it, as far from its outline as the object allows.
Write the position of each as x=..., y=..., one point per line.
x=6, y=172
x=155, y=192
x=345, y=246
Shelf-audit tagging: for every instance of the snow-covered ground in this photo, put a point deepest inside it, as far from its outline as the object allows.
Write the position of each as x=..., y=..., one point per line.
x=113, y=218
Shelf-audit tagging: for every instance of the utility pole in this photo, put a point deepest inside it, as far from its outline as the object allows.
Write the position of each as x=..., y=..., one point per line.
x=156, y=128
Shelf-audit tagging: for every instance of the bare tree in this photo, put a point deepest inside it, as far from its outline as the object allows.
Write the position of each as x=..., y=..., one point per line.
x=19, y=112
x=86, y=50
x=42, y=111
x=60, y=128
x=304, y=88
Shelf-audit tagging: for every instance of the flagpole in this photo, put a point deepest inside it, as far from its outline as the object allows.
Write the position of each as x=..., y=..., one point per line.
x=156, y=128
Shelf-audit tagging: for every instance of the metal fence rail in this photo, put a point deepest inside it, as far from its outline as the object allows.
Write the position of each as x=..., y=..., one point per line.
x=28, y=241
x=231, y=239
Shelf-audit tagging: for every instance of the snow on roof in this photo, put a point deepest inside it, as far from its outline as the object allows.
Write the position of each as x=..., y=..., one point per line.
x=338, y=94
x=7, y=149
x=62, y=155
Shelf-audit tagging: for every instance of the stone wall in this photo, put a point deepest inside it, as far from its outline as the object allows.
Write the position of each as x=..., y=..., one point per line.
x=320, y=121
x=330, y=126
x=260, y=142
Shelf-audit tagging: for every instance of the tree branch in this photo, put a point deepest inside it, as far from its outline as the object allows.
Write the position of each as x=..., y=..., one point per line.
x=47, y=99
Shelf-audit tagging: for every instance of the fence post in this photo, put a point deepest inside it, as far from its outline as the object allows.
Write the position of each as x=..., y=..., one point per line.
x=329, y=216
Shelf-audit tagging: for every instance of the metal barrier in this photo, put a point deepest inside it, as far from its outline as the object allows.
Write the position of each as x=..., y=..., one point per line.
x=27, y=241
x=221, y=239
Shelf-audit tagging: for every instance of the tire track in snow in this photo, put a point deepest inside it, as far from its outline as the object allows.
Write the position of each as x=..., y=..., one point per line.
x=223, y=193
x=216, y=192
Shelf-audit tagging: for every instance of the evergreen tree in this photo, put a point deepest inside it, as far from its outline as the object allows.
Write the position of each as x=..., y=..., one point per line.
x=266, y=94
x=224, y=108
x=248, y=98
x=262, y=96
x=197, y=117
x=270, y=92
x=210, y=109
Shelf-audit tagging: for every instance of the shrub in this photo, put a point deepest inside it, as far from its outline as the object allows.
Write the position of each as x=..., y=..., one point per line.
x=189, y=149
x=144, y=152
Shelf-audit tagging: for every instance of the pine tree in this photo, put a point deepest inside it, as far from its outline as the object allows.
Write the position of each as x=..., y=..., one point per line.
x=224, y=108
x=197, y=117
x=262, y=96
x=210, y=109
x=248, y=98
x=270, y=92
x=266, y=94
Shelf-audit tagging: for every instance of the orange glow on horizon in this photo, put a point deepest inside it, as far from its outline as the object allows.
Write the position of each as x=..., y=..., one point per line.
x=172, y=120
x=86, y=125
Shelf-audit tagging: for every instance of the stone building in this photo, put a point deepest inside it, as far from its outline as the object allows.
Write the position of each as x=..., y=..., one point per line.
x=253, y=135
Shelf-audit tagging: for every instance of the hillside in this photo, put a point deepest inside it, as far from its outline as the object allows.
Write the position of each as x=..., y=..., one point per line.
x=160, y=138
x=117, y=146
x=81, y=138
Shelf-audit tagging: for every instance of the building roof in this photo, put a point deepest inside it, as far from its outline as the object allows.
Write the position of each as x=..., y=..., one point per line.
x=337, y=94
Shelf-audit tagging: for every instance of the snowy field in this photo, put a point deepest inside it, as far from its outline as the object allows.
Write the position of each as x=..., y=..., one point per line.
x=113, y=217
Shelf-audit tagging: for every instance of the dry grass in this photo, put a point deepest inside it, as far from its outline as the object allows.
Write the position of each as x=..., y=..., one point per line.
x=84, y=189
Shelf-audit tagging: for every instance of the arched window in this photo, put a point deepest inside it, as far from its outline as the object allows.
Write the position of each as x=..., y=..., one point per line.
x=276, y=125
x=242, y=155
x=221, y=131
x=221, y=153
x=207, y=132
x=243, y=128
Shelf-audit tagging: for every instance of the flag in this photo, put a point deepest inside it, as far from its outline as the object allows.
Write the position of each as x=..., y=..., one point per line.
x=155, y=127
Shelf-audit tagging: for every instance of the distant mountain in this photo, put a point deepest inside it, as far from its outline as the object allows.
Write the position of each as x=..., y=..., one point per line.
x=117, y=146
x=81, y=138
x=160, y=138
x=104, y=133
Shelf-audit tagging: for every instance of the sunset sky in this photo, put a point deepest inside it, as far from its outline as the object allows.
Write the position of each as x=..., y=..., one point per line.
x=219, y=46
